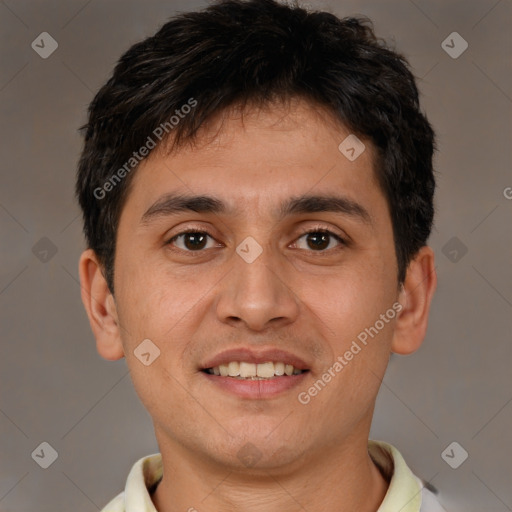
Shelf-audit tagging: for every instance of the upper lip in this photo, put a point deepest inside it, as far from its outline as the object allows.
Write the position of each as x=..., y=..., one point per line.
x=255, y=356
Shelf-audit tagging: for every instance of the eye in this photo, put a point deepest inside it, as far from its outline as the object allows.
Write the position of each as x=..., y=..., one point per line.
x=319, y=239
x=193, y=240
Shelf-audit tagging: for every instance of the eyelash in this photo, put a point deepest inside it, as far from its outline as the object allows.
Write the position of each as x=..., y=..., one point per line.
x=315, y=230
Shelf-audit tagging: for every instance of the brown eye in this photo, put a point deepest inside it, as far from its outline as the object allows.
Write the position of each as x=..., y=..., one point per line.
x=319, y=240
x=191, y=240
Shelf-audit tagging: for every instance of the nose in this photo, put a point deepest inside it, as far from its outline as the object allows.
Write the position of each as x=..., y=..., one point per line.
x=258, y=294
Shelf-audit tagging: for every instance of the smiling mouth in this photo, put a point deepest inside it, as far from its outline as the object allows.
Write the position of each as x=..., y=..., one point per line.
x=242, y=370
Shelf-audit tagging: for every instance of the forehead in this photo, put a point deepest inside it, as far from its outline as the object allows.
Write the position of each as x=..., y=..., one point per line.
x=257, y=158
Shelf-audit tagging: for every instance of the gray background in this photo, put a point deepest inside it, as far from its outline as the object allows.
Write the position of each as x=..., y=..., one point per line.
x=55, y=388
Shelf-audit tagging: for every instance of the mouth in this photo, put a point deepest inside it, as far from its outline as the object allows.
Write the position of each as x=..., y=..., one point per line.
x=243, y=370
x=255, y=375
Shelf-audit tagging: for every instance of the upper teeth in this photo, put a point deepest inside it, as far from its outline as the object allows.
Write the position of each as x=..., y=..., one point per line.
x=243, y=369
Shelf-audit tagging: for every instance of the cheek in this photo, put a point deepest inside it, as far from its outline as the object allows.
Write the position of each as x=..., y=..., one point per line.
x=350, y=309
x=149, y=296
x=354, y=296
x=159, y=304
x=161, y=314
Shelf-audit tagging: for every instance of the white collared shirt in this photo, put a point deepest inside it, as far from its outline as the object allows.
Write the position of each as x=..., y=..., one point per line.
x=405, y=492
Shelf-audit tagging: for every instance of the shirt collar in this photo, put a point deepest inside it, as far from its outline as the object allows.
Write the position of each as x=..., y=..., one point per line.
x=144, y=475
x=404, y=491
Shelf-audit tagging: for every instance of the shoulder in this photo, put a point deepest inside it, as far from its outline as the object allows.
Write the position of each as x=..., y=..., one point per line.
x=115, y=505
x=406, y=492
x=429, y=502
x=142, y=479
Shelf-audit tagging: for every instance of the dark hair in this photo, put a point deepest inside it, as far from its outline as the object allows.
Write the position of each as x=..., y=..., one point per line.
x=236, y=52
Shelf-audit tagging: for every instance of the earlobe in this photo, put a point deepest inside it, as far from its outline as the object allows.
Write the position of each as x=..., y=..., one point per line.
x=415, y=297
x=100, y=307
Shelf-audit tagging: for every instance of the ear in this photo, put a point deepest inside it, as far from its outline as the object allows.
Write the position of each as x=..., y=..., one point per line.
x=415, y=297
x=100, y=306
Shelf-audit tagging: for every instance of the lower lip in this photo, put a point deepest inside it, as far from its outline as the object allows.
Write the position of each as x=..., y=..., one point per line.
x=256, y=389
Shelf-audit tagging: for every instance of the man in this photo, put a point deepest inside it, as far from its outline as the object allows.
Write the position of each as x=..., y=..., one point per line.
x=257, y=189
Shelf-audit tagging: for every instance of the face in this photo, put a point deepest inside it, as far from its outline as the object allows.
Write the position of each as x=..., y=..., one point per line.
x=264, y=271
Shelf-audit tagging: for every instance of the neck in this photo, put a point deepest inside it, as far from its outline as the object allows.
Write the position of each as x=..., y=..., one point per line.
x=343, y=478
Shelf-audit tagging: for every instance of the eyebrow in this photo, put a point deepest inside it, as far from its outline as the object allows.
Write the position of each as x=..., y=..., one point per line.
x=171, y=204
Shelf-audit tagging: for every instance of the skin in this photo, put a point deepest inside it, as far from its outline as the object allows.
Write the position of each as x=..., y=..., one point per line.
x=312, y=302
